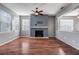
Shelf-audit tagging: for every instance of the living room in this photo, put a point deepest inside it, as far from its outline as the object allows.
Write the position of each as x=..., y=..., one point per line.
x=39, y=29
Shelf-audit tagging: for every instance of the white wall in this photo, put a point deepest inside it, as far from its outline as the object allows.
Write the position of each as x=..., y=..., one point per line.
x=70, y=38
x=9, y=36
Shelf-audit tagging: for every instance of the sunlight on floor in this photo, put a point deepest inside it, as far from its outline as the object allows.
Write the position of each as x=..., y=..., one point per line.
x=25, y=47
x=61, y=52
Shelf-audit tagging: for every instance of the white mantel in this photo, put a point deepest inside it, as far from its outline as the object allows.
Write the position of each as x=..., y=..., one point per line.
x=39, y=26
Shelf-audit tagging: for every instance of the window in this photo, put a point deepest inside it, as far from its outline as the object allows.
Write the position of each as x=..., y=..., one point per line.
x=5, y=21
x=25, y=26
x=15, y=24
x=66, y=25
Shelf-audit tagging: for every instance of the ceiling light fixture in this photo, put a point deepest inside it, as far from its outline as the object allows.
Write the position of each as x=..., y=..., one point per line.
x=78, y=16
x=38, y=12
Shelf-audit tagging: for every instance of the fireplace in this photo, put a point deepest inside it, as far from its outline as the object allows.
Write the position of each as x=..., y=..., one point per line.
x=38, y=33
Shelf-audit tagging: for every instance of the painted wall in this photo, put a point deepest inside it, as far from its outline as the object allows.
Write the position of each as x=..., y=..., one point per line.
x=9, y=36
x=43, y=19
x=39, y=21
x=48, y=21
x=51, y=26
x=71, y=38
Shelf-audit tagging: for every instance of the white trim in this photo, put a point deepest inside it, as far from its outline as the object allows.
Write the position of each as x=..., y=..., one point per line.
x=39, y=37
x=8, y=41
x=39, y=26
x=24, y=36
x=67, y=43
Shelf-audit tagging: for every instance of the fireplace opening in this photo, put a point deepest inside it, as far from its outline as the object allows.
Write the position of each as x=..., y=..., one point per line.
x=39, y=33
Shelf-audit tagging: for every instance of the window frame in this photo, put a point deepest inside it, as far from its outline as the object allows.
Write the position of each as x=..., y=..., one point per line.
x=10, y=23
x=65, y=30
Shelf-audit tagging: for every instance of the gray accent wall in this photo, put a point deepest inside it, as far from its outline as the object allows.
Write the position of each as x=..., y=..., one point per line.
x=36, y=19
x=48, y=23
x=38, y=22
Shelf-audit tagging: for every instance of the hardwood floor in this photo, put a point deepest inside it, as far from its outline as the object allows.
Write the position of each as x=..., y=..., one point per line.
x=34, y=46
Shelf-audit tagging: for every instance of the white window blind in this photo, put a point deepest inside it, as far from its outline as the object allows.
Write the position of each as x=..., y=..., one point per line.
x=66, y=25
x=5, y=21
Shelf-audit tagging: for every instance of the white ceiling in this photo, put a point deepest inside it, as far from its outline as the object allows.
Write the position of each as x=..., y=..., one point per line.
x=26, y=8
x=73, y=13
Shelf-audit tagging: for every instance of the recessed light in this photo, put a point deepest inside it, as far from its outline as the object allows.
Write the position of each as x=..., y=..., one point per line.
x=62, y=7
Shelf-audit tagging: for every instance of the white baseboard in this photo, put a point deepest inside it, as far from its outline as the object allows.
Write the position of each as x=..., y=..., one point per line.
x=67, y=43
x=24, y=36
x=8, y=41
x=40, y=37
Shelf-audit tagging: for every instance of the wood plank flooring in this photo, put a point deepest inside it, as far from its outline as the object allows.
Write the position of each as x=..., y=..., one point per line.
x=34, y=46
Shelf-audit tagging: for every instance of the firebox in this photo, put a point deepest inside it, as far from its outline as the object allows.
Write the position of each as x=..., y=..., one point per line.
x=38, y=33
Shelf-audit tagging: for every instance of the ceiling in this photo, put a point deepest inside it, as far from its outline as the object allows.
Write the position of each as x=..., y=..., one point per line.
x=26, y=8
x=73, y=13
